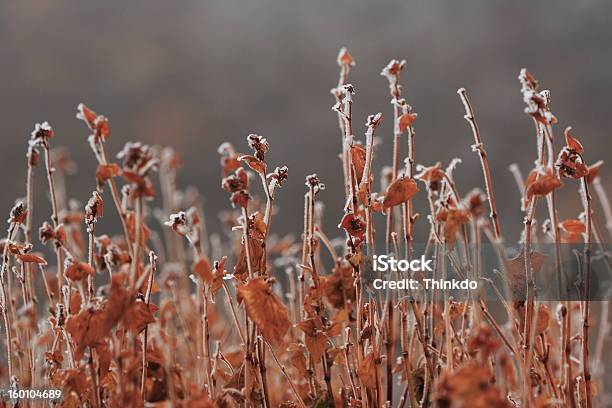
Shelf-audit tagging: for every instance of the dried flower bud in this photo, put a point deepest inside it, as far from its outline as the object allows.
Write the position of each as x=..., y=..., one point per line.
x=138, y=158
x=280, y=175
x=47, y=233
x=259, y=144
x=344, y=58
x=374, y=121
x=18, y=214
x=240, y=199
x=393, y=69
x=537, y=102
x=94, y=208
x=313, y=182
x=41, y=134
x=178, y=222
x=476, y=202
x=570, y=162
x=235, y=182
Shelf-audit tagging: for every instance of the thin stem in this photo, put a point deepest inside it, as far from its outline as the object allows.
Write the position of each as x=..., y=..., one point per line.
x=484, y=161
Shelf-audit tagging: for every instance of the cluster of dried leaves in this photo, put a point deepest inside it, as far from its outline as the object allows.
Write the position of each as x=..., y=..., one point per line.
x=179, y=317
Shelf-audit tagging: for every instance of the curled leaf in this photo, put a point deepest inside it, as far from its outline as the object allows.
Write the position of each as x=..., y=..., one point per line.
x=406, y=121
x=400, y=191
x=31, y=258
x=265, y=309
x=571, y=142
x=254, y=163
x=358, y=158
x=105, y=172
x=353, y=225
x=541, y=185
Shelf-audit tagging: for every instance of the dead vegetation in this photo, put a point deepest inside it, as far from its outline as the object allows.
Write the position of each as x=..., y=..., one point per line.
x=163, y=314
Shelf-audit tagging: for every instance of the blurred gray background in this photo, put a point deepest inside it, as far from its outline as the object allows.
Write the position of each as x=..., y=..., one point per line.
x=196, y=73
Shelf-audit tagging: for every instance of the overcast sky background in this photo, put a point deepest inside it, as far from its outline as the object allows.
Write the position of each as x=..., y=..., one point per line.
x=196, y=73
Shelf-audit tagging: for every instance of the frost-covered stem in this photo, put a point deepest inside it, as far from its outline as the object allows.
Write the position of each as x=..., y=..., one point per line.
x=390, y=346
x=90, y=241
x=233, y=311
x=586, y=371
x=529, y=288
x=29, y=216
x=115, y=195
x=267, y=221
x=138, y=238
x=395, y=91
x=5, y=301
x=55, y=215
x=551, y=200
x=147, y=300
x=409, y=216
x=484, y=161
x=366, y=181
x=245, y=237
x=337, y=92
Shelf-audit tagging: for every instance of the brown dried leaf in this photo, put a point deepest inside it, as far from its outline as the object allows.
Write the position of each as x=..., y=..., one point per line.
x=358, y=158
x=315, y=337
x=400, y=191
x=203, y=270
x=406, y=121
x=367, y=371
x=541, y=185
x=76, y=271
x=353, y=225
x=265, y=309
x=105, y=172
x=31, y=258
x=469, y=385
x=572, y=143
x=515, y=272
x=254, y=163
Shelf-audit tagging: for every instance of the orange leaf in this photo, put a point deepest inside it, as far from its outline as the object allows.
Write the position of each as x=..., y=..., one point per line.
x=344, y=58
x=254, y=163
x=358, y=157
x=31, y=258
x=542, y=185
x=406, y=121
x=105, y=172
x=367, y=371
x=77, y=271
x=315, y=337
x=400, y=191
x=353, y=225
x=571, y=142
x=202, y=269
x=265, y=309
